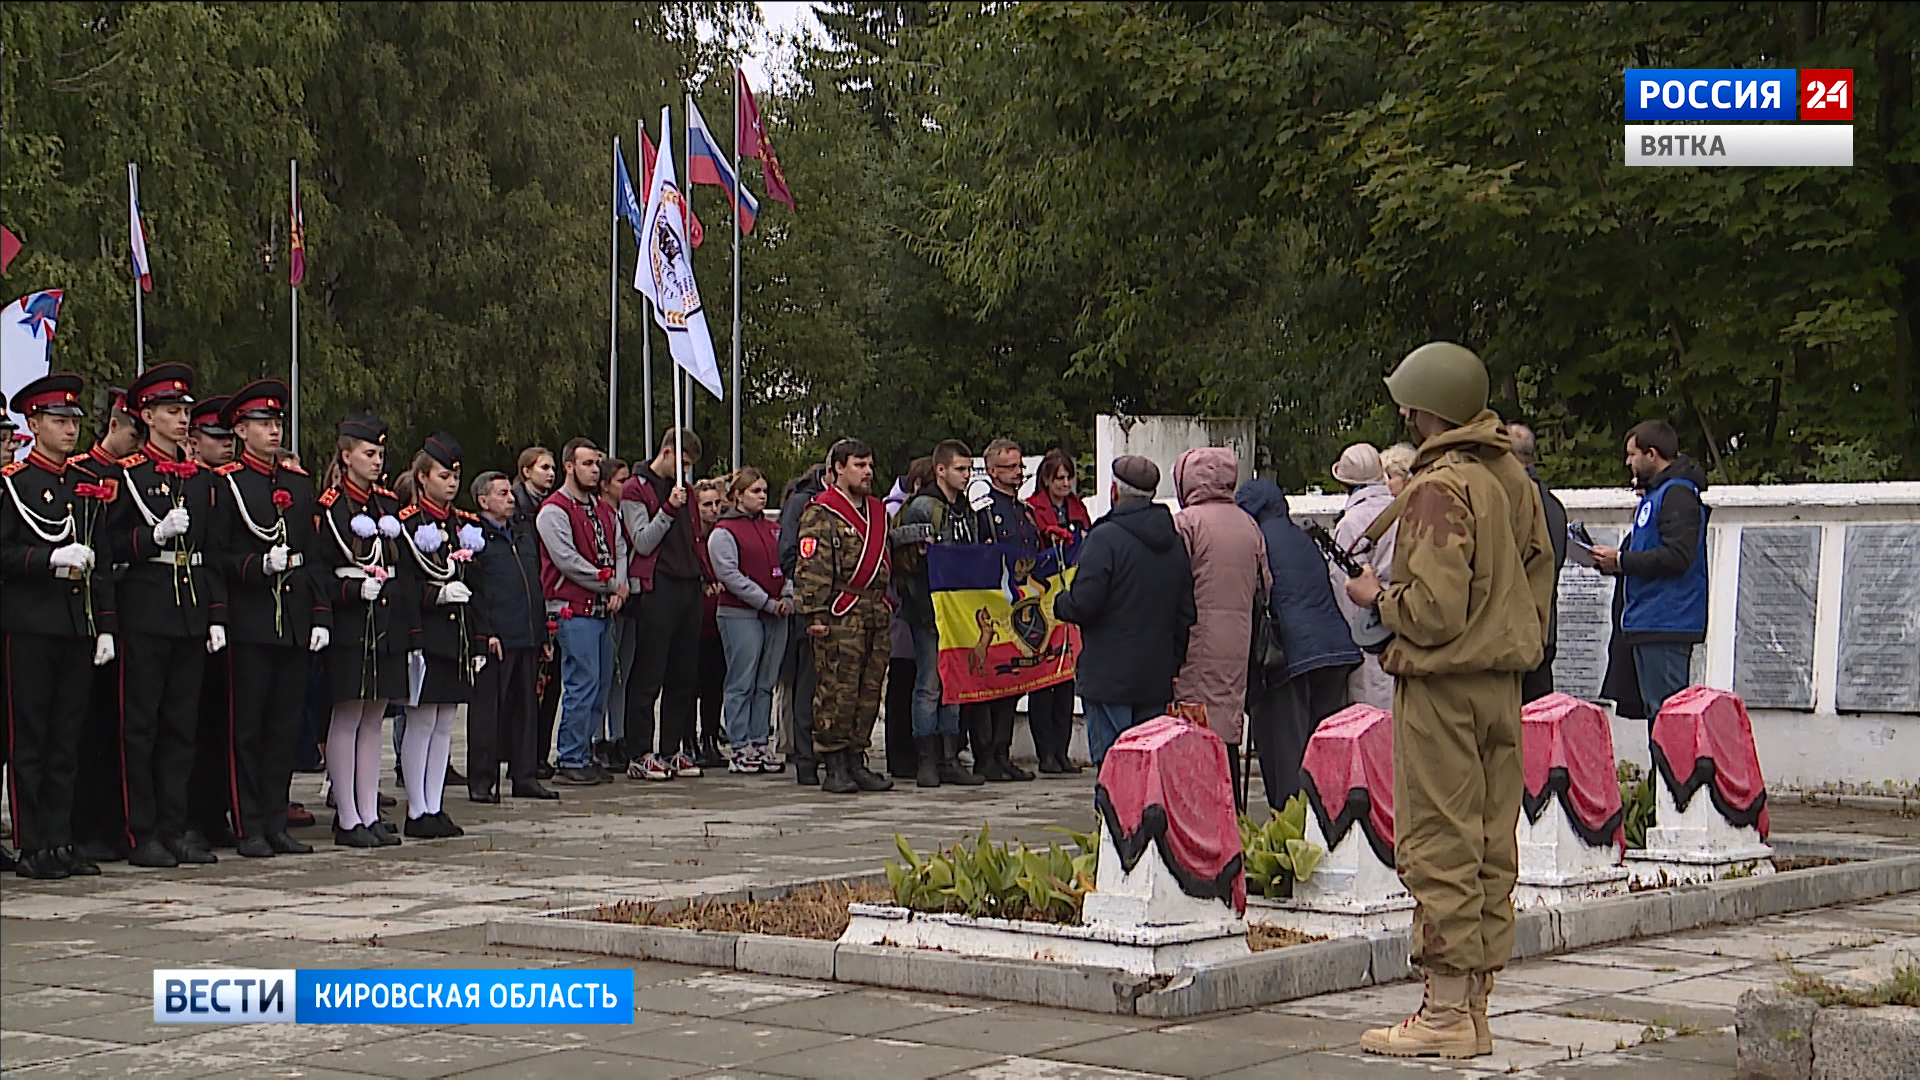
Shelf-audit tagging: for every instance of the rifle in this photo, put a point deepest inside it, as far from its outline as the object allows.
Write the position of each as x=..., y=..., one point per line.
x=1368, y=632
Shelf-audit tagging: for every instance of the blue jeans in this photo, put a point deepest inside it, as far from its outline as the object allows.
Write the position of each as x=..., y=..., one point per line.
x=929, y=716
x=754, y=647
x=586, y=671
x=1663, y=671
x=1106, y=723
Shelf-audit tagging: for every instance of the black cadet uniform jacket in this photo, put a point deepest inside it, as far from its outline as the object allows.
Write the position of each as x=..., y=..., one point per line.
x=35, y=508
x=451, y=632
x=258, y=510
x=166, y=590
x=339, y=560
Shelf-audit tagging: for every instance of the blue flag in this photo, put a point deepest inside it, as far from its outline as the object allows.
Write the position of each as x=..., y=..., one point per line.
x=626, y=205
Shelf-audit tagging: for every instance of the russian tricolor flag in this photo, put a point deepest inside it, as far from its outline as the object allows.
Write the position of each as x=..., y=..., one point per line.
x=707, y=165
x=141, y=268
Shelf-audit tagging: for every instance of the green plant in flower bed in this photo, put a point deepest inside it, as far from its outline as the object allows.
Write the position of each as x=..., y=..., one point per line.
x=1636, y=795
x=1277, y=853
x=988, y=879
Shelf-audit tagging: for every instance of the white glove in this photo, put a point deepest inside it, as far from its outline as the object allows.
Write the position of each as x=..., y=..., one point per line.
x=216, y=638
x=454, y=592
x=103, y=650
x=370, y=589
x=276, y=559
x=174, y=524
x=319, y=639
x=72, y=556
x=478, y=663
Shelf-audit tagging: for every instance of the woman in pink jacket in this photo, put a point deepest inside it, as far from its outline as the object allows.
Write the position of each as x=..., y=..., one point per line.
x=1229, y=557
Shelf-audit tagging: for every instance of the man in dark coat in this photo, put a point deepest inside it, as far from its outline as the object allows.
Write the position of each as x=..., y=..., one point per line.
x=798, y=672
x=1320, y=649
x=1538, y=683
x=1132, y=597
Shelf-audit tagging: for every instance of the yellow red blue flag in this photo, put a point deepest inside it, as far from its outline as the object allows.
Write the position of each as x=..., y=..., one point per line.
x=993, y=607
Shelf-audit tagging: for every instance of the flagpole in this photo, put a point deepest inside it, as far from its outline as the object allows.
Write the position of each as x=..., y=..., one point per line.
x=139, y=312
x=738, y=182
x=646, y=326
x=686, y=187
x=613, y=306
x=293, y=387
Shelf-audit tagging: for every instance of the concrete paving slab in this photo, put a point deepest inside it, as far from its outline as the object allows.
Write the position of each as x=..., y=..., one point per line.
x=717, y=993
x=875, y=1059
x=1026, y=1068
x=861, y=1012
x=1171, y=1054
x=159, y=1061
x=423, y=1055
x=1273, y=1028
x=1559, y=974
x=1581, y=1036
x=715, y=1043
x=19, y=1049
x=998, y=1030
x=587, y=1064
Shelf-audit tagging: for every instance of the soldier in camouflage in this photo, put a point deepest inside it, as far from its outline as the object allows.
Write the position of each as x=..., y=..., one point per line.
x=840, y=592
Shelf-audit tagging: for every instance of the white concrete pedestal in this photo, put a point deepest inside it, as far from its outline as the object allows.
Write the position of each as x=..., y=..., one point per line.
x=1696, y=844
x=1351, y=892
x=1147, y=896
x=1557, y=865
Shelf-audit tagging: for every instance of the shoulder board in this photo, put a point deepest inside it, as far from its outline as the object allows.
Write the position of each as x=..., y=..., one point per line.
x=288, y=466
x=78, y=459
x=408, y=511
x=384, y=491
x=464, y=515
x=135, y=458
x=12, y=467
x=229, y=468
x=328, y=496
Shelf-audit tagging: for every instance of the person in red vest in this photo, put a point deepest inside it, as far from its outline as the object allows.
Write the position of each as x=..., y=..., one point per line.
x=744, y=550
x=583, y=572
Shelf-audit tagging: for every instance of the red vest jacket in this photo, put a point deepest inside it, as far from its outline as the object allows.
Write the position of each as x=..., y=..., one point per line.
x=558, y=586
x=759, y=542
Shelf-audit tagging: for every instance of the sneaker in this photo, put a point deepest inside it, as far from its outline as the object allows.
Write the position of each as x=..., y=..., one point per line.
x=684, y=765
x=745, y=760
x=635, y=771
x=576, y=776
x=655, y=767
x=771, y=762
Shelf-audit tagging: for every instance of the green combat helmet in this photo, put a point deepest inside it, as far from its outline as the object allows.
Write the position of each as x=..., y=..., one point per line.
x=1442, y=378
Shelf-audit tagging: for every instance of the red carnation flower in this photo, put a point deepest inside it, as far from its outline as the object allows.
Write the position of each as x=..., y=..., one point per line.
x=282, y=498
x=566, y=612
x=605, y=574
x=553, y=626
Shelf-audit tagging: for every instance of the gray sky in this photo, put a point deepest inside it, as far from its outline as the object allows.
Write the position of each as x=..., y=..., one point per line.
x=780, y=18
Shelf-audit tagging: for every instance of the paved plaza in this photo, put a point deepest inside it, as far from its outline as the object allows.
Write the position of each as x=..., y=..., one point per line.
x=78, y=957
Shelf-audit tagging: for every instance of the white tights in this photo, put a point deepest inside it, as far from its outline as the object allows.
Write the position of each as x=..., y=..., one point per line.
x=353, y=760
x=424, y=750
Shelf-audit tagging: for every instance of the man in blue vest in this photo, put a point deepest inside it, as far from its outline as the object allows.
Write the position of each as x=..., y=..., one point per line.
x=1664, y=565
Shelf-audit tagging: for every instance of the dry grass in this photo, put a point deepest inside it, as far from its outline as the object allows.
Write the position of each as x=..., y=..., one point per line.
x=818, y=912
x=1262, y=938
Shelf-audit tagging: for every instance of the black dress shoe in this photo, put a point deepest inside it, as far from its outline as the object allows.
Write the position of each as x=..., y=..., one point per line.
x=424, y=827
x=78, y=865
x=545, y=770
x=255, y=847
x=221, y=837
x=184, y=849
x=454, y=779
x=42, y=865
x=100, y=851
x=578, y=777
x=535, y=790
x=386, y=800
x=807, y=773
x=449, y=827
x=284, y=844
x=384, y=833
x=9, y=858
x=359, y=836
x=482, y=796
x=298, y=816
x=153, y=855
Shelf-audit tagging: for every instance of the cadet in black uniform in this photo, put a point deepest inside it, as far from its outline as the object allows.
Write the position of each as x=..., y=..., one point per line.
x=58, y=617
x=210, y=790
x=172, y=615
x=440, y=543
x=278, y=614
x=355, y=553
x=99, y=806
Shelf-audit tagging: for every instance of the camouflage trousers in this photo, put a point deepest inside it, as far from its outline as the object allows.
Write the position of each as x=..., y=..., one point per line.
x=851, y=664
x=1457, y=783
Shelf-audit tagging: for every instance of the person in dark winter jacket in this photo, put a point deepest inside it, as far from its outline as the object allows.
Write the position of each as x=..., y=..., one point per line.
x=1538, y=683
x=1132, y=597
x=797, y=672
x=1320, y=650
x=1663, y=568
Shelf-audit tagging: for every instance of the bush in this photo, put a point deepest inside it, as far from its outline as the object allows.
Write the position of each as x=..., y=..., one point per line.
x=989, y=879
x=1277, y=853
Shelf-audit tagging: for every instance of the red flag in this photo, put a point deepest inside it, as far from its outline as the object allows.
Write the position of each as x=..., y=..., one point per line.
x=296, y=243
x=9, y=247
x=750, y=140
x=695, y=234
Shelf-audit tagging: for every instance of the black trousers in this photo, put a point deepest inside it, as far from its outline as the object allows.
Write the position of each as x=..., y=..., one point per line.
x=1284, y=718
x=501, y=723
x=990, y=725
x=710, y=689
x=1050, y=718
x=903, y=758
x=49, y=680
x=268, y=693
x=548, y=707
x=805, y=680
x=159, y=709
x=1537, y=683
x=99, y=807
x=666, y=666
x=210, y=791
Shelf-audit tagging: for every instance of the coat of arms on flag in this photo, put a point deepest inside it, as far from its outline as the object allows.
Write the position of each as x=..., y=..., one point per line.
x=993, y=607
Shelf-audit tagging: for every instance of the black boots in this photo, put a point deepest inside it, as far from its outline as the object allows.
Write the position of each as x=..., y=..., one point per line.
x=863, y=776
x=927, y=768
x=1003, y=745
x=847, y=773
x=950, y=770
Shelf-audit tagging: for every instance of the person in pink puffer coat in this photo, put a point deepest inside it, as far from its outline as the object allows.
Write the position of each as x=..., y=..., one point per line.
x=1229, y=557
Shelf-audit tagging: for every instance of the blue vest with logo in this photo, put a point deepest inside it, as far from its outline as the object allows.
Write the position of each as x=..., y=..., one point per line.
x=1665, y=605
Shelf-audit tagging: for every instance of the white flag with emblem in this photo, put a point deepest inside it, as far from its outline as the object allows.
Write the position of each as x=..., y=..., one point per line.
x=665, y=272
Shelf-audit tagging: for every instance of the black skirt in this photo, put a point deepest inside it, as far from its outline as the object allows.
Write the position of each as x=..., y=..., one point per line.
x=446, y=683
x=356, y=672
